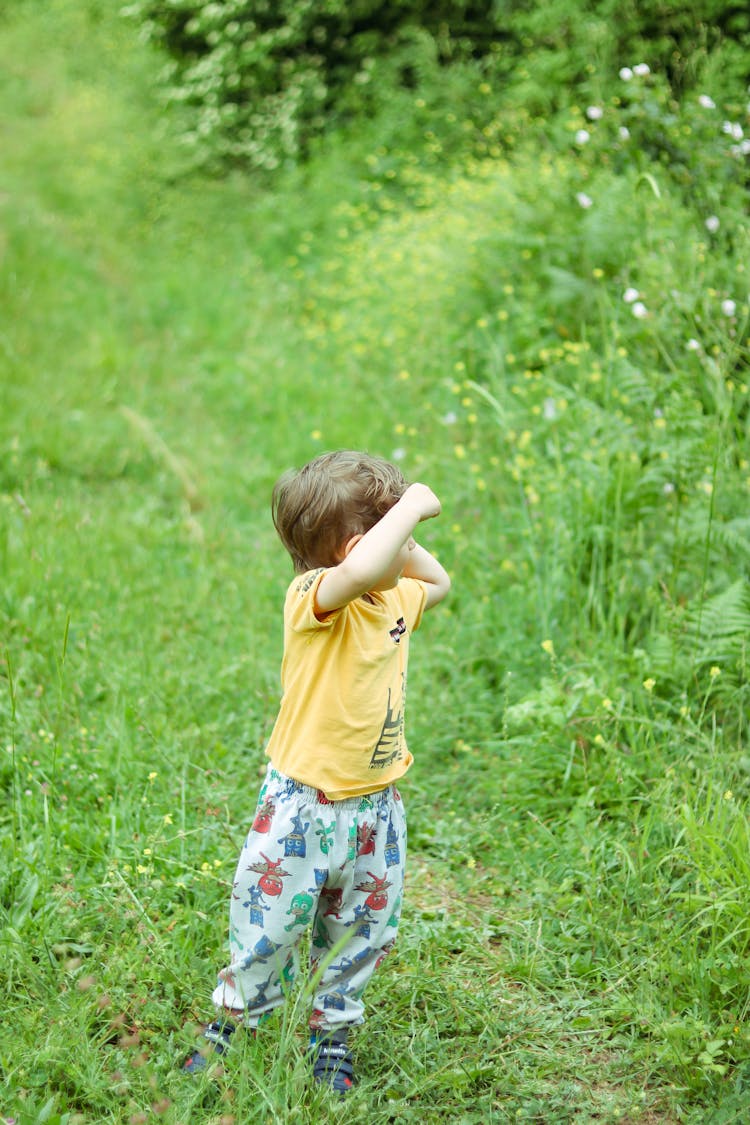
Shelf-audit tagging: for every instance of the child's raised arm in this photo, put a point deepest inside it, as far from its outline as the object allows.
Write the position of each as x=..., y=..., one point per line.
x=368, y=559
x=421, y=564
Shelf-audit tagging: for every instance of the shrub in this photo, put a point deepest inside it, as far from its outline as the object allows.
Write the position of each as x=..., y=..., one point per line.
x=261, y=80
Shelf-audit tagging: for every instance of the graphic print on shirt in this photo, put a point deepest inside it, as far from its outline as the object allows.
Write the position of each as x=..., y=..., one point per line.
x=388, y=748
x=398, y=631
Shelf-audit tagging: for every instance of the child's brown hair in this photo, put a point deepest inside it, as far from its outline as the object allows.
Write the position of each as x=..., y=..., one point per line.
x=335, y=496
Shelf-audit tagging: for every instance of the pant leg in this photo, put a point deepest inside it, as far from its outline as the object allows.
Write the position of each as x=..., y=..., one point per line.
x=274, y=896
x=360, y=904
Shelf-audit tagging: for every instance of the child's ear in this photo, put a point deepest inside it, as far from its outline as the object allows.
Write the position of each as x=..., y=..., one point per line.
x=349, y=545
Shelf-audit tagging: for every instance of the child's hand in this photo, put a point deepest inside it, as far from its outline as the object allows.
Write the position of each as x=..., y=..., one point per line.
x=424, y=499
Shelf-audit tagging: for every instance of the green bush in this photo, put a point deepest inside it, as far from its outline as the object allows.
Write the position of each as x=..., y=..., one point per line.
x=260, y=81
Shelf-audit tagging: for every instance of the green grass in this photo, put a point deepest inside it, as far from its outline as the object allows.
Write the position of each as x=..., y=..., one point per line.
x=575, y=937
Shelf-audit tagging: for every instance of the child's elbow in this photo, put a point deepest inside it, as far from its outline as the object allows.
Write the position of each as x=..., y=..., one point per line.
x=438, y=590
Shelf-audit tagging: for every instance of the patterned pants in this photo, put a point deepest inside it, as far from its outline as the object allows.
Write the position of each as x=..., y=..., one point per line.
x=337, y=866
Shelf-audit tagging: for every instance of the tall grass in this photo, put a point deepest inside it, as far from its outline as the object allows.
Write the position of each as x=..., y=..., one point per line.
x=575, y=935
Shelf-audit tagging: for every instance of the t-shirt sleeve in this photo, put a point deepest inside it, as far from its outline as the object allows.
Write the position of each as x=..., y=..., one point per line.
x=300, y=604
x=413, y=596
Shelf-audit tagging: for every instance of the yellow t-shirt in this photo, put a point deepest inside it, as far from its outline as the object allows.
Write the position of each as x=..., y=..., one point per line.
x=340, y=726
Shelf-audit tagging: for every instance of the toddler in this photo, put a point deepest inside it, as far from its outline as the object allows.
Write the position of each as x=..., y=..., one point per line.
x=327, y=845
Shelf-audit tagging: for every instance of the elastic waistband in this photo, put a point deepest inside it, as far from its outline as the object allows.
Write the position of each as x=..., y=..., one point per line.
x=287, y=786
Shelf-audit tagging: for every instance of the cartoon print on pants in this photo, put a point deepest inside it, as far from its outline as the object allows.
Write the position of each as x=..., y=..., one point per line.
x=294, y=842
x=271, y=873
x=326, y=836
x=392, y=852
x=366, y=839
x=377, y=899
x=264, y=816
x=300, y=907
x=256, y=906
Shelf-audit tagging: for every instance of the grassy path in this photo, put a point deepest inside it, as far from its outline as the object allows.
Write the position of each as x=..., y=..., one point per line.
x=168, y=346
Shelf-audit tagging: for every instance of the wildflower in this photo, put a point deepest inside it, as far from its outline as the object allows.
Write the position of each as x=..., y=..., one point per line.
x=583, y=137
x=167, y=819
x=549, y=410
x=594, y=113
x=640, y=310
x=398, y=454
x=693, y=345
x=599, y=740
x=641, y=69
x=712, y=224
x=584, y=200
x=471, y=863
x=729, y=795
x=649, y=684
x=668, y=488
x=714, y=672
x=403, y=376
x=548, y=647
x=728, y=307
x=733, y=130
x=626, y=74
x=624, y=133
x=630, y=295
x=316, y=435
x=607, y=704
x=459, y=451
x=153, y=775
x=706, y=101
x=450, y=418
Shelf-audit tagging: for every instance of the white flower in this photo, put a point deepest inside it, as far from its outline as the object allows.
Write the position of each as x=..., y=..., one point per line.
x=398, y=454
x=450, y=418
x=733, y=130
x=639, y=310
x=584, y=200
x=729, y=307
x=712, y=223
x=693, y=345
x=549, y=409
x=668, y=488
x=594, y=113
x=624, y=133
x=641, y=69
x=626, y=74
x=706, y=101
x=583, y=137
x=630, y=295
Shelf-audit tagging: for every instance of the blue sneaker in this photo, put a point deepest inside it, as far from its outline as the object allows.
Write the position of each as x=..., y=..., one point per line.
x=332, y=1061
x=218, y=1036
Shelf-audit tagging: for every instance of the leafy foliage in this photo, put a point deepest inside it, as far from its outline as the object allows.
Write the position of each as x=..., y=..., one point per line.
x=261, y=80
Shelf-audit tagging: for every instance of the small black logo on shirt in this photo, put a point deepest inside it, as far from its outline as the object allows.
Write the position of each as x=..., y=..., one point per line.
x=398, y=632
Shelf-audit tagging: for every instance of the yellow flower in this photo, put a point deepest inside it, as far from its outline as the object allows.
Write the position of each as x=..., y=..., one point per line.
x=548, y=647
x=471, y=863
x=649, y=684
x=153, y=775
x=167, y=818
x=729, y=795
x=607, y=704
x=459, y=451
x=715, y=671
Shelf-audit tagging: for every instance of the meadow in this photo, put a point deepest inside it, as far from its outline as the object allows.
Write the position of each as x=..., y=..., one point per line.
x=550, y=328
